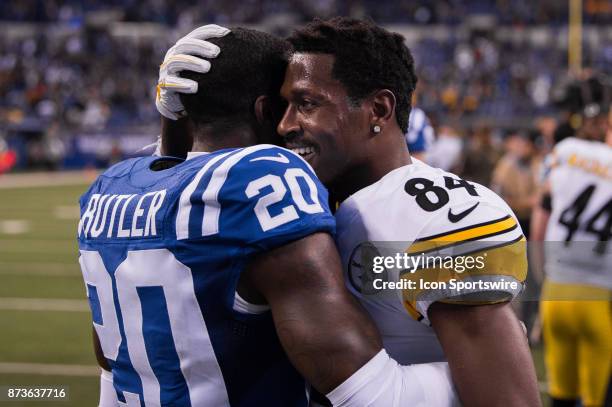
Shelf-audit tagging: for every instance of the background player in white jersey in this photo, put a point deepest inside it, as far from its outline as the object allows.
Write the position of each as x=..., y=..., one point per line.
x=348, y=88
x=191, y=265
x=575, y=304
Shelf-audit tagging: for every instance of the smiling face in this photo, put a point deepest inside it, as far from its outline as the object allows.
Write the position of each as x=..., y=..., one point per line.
x=321, y=123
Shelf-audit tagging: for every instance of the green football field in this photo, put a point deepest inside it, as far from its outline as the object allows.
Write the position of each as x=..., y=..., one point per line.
x=44, y=317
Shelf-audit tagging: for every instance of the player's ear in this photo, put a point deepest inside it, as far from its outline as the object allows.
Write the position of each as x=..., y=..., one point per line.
x=267, y=113
x=383, y=107
x=263, y=111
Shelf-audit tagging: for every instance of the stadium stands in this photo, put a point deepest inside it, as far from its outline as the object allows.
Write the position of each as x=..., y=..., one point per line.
x=485, y=60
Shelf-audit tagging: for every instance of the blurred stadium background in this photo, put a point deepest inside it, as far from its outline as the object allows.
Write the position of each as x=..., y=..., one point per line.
x=77, y=84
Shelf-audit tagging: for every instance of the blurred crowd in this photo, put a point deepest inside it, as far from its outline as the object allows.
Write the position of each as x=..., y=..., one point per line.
x=512, y=161
x=508, y=161
x=515, y=12
x=88, y=79
x=72, y=68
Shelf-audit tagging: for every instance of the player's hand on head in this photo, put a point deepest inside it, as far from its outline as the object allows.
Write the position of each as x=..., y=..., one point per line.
x=188, y=54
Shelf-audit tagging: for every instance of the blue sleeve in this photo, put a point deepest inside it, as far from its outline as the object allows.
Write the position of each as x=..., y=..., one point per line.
x=419, y=143
x=272, y=197
x=420, y=134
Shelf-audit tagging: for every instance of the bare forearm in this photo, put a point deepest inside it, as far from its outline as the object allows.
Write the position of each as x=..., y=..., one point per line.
x=488, y=355
x=328, y=350
x=324, y=331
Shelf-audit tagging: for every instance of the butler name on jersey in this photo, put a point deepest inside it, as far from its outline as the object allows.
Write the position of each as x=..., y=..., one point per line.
x=437, y=220
x=161, y=250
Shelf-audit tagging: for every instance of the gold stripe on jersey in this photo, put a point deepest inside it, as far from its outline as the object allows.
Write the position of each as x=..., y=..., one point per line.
x=465, y=234
x=410, y=307
x=505, y=262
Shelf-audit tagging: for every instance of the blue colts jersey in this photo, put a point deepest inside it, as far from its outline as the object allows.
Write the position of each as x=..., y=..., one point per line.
x=161, y=253
x=420, y=135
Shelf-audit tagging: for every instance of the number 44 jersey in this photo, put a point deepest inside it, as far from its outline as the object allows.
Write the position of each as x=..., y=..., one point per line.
x=430, y=236
x=162, y=248
x=580, y=224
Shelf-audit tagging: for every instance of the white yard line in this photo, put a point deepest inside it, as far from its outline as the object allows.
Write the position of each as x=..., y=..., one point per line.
x=47, y=179
x=14, y=226
x=67, y=212
x=49, y=369
x=43, y=304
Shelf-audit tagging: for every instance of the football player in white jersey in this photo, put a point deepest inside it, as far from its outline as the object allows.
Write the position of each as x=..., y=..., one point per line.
x=262, y=265
x=575, y=304
x=348, y=88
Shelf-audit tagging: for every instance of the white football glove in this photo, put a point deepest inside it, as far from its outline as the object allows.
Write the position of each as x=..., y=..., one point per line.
x=181, y=58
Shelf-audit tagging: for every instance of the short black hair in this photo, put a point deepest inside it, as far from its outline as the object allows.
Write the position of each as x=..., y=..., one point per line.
x=367, y=58
x=251, y=63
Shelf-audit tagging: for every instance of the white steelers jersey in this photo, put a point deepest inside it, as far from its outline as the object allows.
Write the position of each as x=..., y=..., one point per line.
x=580, y=225
x=415, y=230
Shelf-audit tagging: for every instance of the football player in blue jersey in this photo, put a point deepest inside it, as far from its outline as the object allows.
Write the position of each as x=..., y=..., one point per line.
x=420, y=134
x=215, y=281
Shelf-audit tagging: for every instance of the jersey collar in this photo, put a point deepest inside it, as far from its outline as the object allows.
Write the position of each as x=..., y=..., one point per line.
x=194, y=154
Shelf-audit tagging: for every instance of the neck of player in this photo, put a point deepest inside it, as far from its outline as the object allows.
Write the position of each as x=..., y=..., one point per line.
x=208, y=138
x=372, y=168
